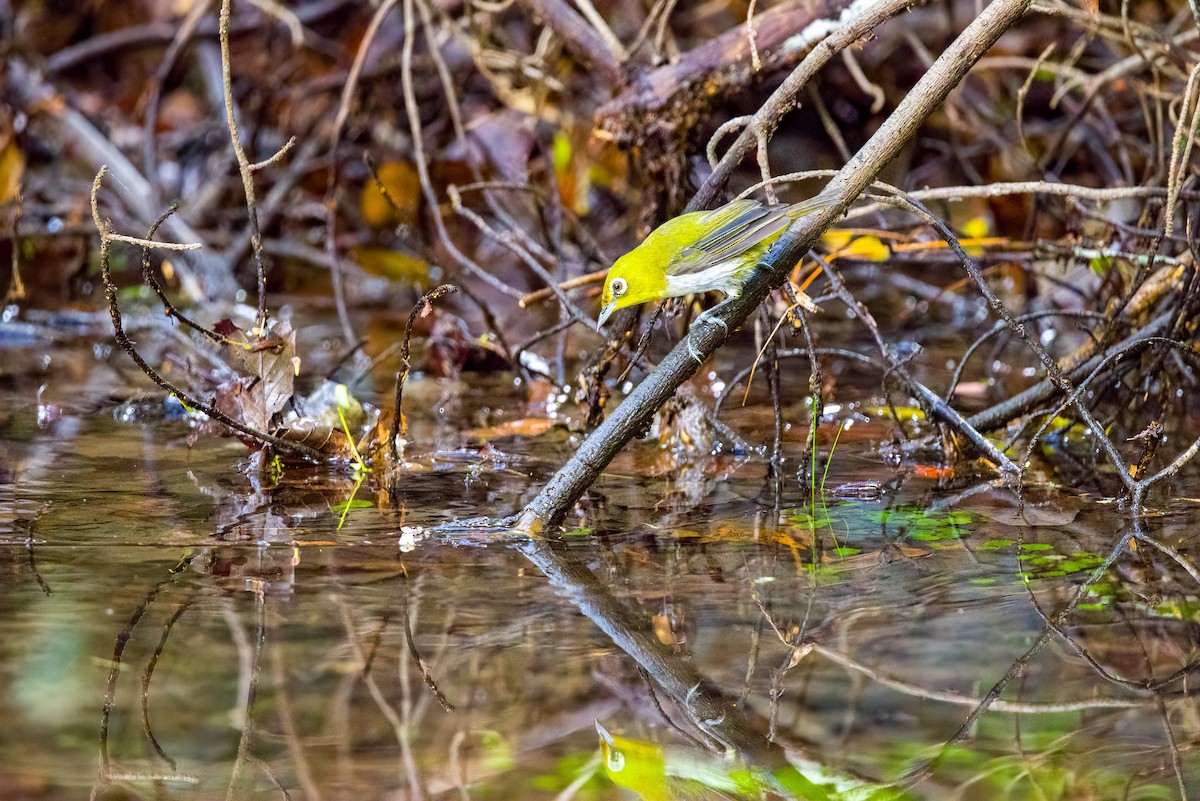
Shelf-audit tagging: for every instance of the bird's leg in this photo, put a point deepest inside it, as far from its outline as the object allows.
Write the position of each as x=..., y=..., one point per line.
x=707, y=317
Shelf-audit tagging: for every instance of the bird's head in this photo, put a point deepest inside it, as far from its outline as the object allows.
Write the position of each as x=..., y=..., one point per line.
x=636, y=277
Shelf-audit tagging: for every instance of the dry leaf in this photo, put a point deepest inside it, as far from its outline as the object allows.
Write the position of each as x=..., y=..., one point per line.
x=12, y=168
x=262, y=395
x=525, y=427
x=404, y=190
x=325, y=438
x=662, y=630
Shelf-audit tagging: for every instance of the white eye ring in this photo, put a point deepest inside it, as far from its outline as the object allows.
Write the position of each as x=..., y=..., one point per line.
x=618, y=287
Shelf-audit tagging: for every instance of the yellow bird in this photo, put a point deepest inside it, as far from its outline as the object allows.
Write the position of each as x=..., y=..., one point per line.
x=701, y=251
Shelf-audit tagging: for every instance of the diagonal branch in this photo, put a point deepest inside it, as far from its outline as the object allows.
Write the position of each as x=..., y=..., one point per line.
x=574, y=477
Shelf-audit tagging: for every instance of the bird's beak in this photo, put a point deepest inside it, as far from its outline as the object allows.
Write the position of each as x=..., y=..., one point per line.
x=605, y=313
x=604, y=735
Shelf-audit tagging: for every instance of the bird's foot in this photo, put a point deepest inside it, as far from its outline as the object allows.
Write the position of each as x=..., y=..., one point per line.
x=709, y=317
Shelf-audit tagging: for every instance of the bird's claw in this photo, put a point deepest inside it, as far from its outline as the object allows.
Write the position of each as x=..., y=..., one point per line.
x=706, y=318
x=712, y=319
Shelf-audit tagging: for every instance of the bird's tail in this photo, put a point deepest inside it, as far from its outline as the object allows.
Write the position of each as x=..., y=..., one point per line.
x=817, y=203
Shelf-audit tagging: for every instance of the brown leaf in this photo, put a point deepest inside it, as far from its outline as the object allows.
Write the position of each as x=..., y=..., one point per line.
x=525, y=427
x=325, y=438
x=227, y=328
x=271, y=378
x=798, y=653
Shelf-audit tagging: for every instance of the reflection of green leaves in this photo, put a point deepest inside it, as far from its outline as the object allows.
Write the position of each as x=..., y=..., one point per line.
x=498, y=755
x=830, y=571
x=1094, y=606
x=342, y=509
x=571, y=768
x=849, y=522
x=925, y=525
x=1039, y=561
x=994, y=545
x=804, y=518
x=347, y=505
x=1042, y=769
x=1188, y=611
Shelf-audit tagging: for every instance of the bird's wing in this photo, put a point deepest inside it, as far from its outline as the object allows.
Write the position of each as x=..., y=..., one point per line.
x=741, y=225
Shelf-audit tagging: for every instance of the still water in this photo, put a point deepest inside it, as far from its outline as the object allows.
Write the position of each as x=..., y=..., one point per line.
x=172, y=629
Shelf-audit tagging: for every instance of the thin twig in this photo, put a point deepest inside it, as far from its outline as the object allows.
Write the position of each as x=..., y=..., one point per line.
x=421, y=308
x=16, y=289
x=148, y=673
x=187, y=30
x=414, y=125
x=1014, y=707
x=345, y=104
x=245, y=168
x=200, y=275
x=259, y=645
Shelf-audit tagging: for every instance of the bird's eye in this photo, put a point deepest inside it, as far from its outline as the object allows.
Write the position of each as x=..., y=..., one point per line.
x=618, y=287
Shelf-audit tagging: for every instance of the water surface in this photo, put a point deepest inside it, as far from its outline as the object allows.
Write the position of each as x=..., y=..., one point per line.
x=172, y=628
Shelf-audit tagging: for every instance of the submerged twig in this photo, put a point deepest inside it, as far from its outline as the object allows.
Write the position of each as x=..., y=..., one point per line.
x=110, y=693
x=148, y=673
x=411, y=642
x=253, y=669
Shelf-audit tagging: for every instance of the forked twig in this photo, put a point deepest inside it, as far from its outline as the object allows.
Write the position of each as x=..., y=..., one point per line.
x=107, y=237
